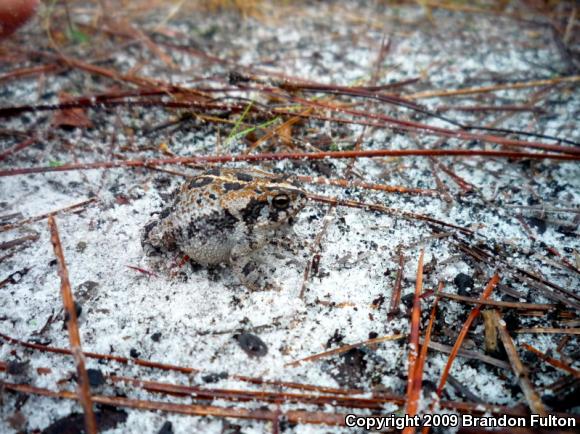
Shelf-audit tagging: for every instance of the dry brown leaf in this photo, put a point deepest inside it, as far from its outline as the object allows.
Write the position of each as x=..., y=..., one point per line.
x=73, y=117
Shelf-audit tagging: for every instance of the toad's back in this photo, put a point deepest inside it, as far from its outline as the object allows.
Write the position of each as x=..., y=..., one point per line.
x=223, y=210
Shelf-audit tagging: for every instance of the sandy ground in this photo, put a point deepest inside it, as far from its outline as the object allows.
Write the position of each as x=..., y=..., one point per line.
x=519, y=207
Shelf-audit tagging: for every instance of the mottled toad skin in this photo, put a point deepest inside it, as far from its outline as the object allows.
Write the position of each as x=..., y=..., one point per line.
x=224, y=216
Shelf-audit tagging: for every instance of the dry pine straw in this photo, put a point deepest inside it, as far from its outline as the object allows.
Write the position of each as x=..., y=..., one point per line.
x=319, y=109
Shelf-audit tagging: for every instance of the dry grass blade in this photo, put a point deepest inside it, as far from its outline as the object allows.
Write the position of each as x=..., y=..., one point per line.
x=396, y=293
x=291, y=156
x=386, y=210
x=556, y=363
x=468, y=354
x=73, y=207
x=532, y=397
x=550, y=330
x=166, y=113
x=84, y=392
x=344, y=349
x=315, y=249
x=17, y=147
x=418, y=382
x=176, y=368
x=277, y=130
x=276, y=397
x=499, y=304
x=484, y=89
x=296, y=416
x=367, y=186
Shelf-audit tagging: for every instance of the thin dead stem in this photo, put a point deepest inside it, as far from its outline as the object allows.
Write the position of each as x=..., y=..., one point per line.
x=84, y=391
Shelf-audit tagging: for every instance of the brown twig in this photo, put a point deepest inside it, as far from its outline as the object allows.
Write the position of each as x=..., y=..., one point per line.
x=290, y=156
x=315, y=249
x=343, y=349
x=473, y=314
x=484, y=89
x=84, y=391
x=16, y=242
x=386, y=210
x=273, y=397
x=480, y=108
x=442, y=132
x=556, y=363
x=468, y=354
x=499, y=304
x=293, y=416
x=17, y=147
x=366, y=185
x=550, y=330
x=20, y=223
x=518, y=368
x=375, y=402
x=415, y=374
x=476, y=408
x=396, y=293
x=25, y=72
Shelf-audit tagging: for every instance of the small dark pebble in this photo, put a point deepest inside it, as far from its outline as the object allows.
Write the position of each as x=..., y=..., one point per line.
x=463, y=282
x=52, y=262
x=134, y=353
x=167, y=428
x=40, y=341
x=17, y=368
x=81, y=246
x=335, y=339
x=564, y=400
x=373, y=335
x=96, y=377
x=507, y=297
x=378, y=302
x=78, y=311
x=429, y=387
x=512, y=320
x=252, y=344
x=89, y=285
x=162, y=182
x=74, y=423
x=529, y=358
x=17, y=276
x=234, y=77
x=231, y=428
x=350, y=369
x=408, y=300
x=538, y=224
x=284, y=424
x=214, y=377
x=155, y=337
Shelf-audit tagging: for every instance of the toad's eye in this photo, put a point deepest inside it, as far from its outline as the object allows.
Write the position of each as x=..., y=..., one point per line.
x=282, y=201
